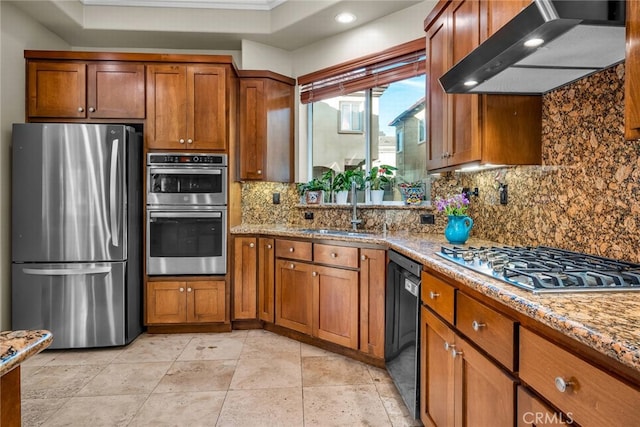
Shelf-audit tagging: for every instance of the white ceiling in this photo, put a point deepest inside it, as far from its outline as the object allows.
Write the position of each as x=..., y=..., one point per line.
x=201, y=24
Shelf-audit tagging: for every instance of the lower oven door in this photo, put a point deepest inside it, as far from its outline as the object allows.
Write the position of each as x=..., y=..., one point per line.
x=186, y=241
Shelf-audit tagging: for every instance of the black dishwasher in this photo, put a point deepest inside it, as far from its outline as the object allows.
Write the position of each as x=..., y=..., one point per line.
x=402, y=334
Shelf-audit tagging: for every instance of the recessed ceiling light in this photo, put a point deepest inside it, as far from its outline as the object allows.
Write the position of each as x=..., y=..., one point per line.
x=533, y=42
x=470, y=83
x=345, y=18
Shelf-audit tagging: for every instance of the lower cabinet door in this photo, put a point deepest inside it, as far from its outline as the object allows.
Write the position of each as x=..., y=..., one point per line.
x=294, y=295
x=266, y=279
x=335, y=305
x=205, y=301
x=532, y=412
x=166, y=302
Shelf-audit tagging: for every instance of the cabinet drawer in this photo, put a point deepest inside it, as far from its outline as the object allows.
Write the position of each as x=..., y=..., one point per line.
x=439, y=296
x=592, y=397
x=293, y=249
x=341, y=256
x=492, y=331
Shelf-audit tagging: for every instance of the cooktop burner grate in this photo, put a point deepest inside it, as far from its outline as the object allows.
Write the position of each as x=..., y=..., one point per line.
x=545, y=269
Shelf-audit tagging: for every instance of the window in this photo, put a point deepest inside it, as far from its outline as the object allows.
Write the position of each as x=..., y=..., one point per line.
x=379, y=122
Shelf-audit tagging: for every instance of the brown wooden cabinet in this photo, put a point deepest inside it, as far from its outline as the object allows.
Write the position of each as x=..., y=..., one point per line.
x=245, y=264
x=473, y=129
x=266, y=126
x=632, y=72
x=179, y=302
x=294, y=295
x=335, y=305
x=460, y=385
x=80, y=90
x=495, y=13
x=266, y=280
x=532, y=412
x=186, y=107
x=372, y=296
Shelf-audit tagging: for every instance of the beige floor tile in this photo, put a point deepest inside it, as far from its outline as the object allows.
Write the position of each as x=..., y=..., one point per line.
x=256, y=408
x=126, y=378
x=192, y=409
x=269, y=346
x=379, y=375
x=41, y=358
x=275, y=372
x=154, y=348
x=307, y=350
x=101, y=356
x=352, y=405
x=395, y=406
x=36, y=411
x=200, y=375
x=333, y=370
x=57, y=381
x=94, y=411
x=213, y=347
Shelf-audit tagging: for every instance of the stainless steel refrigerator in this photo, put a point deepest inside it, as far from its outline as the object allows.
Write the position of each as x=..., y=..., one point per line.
x=76, y=232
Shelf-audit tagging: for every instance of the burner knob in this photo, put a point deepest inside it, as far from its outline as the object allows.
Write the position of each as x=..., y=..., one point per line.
x=477, y=325
x=563, y=385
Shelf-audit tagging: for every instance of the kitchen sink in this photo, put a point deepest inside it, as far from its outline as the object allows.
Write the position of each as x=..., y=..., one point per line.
x=330, y=232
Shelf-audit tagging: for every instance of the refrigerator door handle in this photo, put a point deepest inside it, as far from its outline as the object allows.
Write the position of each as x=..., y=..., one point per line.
x=66, y=271
x=113, y=203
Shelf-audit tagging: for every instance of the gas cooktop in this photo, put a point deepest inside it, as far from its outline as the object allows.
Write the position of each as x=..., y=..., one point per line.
x=544, y=269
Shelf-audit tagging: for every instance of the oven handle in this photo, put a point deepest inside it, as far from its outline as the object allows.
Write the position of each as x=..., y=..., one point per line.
x=185, y=214
x=187, y=170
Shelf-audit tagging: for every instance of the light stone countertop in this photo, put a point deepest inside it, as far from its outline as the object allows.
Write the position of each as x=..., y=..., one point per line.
x=606, y=322
x=18, y=346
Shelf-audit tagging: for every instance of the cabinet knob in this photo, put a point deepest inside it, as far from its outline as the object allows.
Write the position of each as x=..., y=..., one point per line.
x=80, y=109
x=259, y=171
x=334, y=255
x=292, y=266
x=181, y=289
x=477, y=325
x=563, y=385
x=269, y=246
x=363, y=257
x=291, y=249
x=181, y=141
x=314, y=274
x=251, y=245
x=448, y=346
x=189, y=141
x=92, y=110
x=433, y=295
x=189, y=289
x=455, y=353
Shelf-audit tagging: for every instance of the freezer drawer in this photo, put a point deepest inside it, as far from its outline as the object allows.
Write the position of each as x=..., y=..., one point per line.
x=83, y=304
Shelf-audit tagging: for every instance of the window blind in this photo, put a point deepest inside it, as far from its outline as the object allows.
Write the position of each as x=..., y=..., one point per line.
x=398, y=63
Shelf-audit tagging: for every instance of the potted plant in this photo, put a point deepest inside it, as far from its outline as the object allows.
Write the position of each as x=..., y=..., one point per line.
x=377, y=177
x=301, y=188
x=342, y=183
x=314, y=194
x=459, y=224
x=412, y=192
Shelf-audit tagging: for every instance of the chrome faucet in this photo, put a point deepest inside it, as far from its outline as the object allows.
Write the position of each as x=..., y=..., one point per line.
x=354, y=201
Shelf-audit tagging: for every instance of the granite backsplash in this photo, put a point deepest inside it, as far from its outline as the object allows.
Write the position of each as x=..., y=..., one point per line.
x=584, y=197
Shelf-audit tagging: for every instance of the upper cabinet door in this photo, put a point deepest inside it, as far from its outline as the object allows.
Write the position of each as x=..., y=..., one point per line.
x=437, y=100
x=206, y=115
x=57, y=90
x=632, y=71
x=166, y=107
x=116, y=91
x=252, y=128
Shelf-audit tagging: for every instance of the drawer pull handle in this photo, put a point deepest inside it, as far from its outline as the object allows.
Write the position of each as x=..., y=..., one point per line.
x=291, y=249
x=292, y=266
x=363, y=257
x=181, y=289
x=189, y=289
x=80, y=109
x=433, y=295
x=334, y=255
x=563, y=385
x=314, y=274
x=455, y=353
x=251, y=245
x=189, y=141
x=448, y=346
x=477, y=325
x=181, y=141
x=268, y=246
x=92, y=110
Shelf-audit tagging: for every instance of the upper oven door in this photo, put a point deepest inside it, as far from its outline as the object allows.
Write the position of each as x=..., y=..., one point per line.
x=186, y=185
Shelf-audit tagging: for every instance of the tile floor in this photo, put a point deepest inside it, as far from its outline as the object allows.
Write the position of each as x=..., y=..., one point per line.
x=241, y=378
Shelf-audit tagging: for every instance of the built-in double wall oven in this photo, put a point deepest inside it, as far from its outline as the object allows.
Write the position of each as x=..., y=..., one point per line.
x=186, y=214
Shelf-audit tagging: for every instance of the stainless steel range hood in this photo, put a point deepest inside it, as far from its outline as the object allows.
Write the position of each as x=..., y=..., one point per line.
x=579, y=38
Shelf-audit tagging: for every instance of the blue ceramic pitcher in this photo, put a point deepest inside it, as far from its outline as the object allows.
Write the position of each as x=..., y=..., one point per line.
x=458, y=227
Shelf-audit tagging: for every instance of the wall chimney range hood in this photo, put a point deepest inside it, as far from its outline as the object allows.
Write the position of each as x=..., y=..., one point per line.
x=547, y=45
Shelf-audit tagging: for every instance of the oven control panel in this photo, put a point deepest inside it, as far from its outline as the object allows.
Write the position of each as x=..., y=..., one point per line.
x=186, y=158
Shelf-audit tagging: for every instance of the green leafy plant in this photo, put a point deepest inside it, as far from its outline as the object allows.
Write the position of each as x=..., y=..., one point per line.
x=317, y=184
x=380, y=175
x=342, y=181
